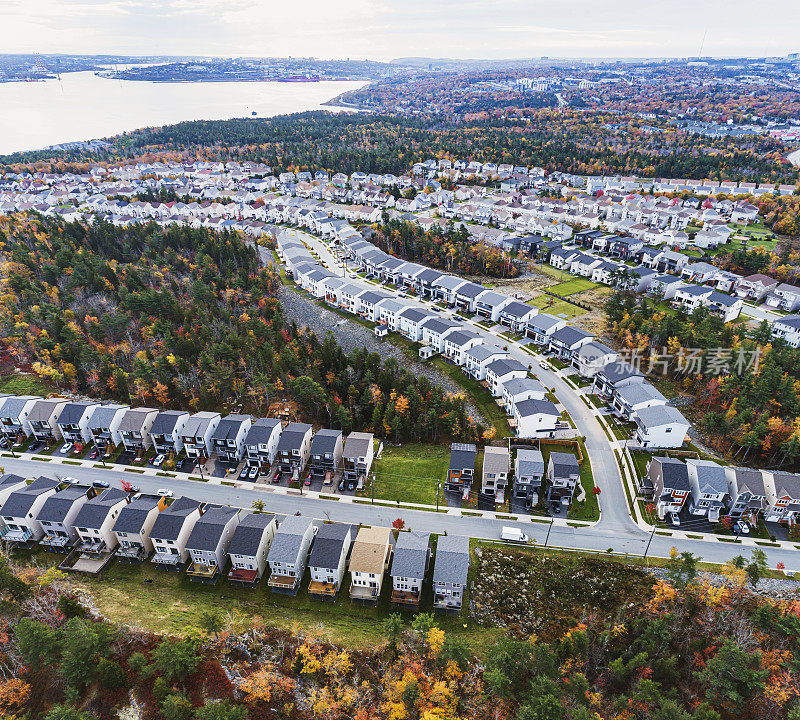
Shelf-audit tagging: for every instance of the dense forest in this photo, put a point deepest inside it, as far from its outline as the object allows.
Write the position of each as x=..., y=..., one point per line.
x=680, y=648
x=558, y=140
x=746, y=386
x=450, y=249
x=188, y=319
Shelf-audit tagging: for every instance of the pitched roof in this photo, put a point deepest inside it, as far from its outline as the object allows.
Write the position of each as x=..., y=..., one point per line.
x=357, y=444
x=292, y=436
x=674, y=473
x=452, y=559
x=503, y=366
x=331, y=541
x=57, y=506
x=13, y=406
x=462, y=455
x=411, y=555
x=43, y=409
x=526, y=408
x=169, y=522
x=325, y=442
x=103, y=415
x=166, y=421
x=636, y=393
x=208, y=529
x=95, y=511
x=132, y=516
x=517, y=386
x=287, y=541
x=134, y=419
x=660, y=415
x=710, y=476
x=496, y=459
x=530, y=462
x=72, y=412
x=247, y=537
x=261, y=431
x=369, y=550
x=564, y=464
x=197, y=424
x=229, y=427
x=20, y=501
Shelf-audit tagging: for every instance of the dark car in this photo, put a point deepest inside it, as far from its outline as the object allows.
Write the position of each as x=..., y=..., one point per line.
x=341, y=486
x=100, y=484
x=351, y=485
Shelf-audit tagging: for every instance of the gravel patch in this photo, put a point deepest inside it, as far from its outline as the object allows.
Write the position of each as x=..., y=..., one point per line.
x=768, y=587
x=353, y=336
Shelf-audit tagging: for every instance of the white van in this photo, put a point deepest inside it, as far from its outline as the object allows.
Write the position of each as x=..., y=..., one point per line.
x=512, y=534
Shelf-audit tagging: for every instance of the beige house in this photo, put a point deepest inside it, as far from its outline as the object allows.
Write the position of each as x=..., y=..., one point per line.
x=369, y=560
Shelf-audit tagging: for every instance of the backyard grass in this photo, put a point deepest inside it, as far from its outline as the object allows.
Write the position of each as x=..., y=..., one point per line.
x=589, y=509
x=410, y=473
x=165, y=602
x=22, y=384
x=559, y=308
x=572, y=286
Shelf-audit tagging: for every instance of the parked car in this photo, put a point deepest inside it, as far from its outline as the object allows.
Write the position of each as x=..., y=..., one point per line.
x=158, y=460
x=277, y=476
x=742, y=527
x=244, y=473
x=100, y=484
x=308, y=479
x=328, y=478
x=165, y=493
x=674, y=519
x=65, y=448
x=135, y=489
x=253, y=472
x=3, y=443
x=93, y=454
x=33, y=446
x=341, y=485
x=351, y=485
x=544, y=365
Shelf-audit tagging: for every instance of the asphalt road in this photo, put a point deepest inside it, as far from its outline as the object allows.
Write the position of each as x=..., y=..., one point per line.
x=600, y=537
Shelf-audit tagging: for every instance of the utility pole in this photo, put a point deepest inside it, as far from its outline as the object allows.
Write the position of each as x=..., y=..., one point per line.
x=644, y=557
x=437, y=495
x=549, y=528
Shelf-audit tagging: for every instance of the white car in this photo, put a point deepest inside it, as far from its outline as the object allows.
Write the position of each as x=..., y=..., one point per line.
x=676, y=521
x=65, y=448
x=742, y=527
x=161, y=492
x=544, y=365
x=158, y=460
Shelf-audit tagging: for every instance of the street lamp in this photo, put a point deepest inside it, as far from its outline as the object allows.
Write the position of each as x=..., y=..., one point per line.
x=549, y=528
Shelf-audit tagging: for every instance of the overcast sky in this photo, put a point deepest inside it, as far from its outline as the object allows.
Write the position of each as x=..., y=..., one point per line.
x=386, y=29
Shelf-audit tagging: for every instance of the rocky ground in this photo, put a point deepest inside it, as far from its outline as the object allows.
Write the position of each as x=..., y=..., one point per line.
x=351, y=335
x=780, y=588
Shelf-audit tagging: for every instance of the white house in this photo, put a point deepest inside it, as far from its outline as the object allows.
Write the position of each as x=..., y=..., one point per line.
x=288, y=554
x=709, y=487
x=166, y=431
x=477, y=358
x=535, y=418
x=592, y=357
x=261, y=442
x=104, y=426
x=661, y=426
x=43, y=419
x=328, y=559
x=458, y=342
x=21, y=510
x=57, y=516
x=502, y=370
x=518, y=389
x=73, y=421
x=788, y=329
x=208, y=543
x=198, y=433
x=229, y=437
x=134, y=525
x=14, y=414
x=95, y=521
x=171, y=530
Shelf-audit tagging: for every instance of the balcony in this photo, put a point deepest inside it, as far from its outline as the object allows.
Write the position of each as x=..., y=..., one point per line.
x=326, y=589
x=405, y=597
x=133, y=551
x=282, y=582
x=20, y=536
x=201, y=571
x=243, y=575
x=55, y=540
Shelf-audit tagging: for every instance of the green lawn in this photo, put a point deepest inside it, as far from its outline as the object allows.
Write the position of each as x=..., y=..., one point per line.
x=25, y=385
x=170, y=603
x=572, y=286
x=410, y=473
x=556, y=307
x=589, y=508
x=477, y=394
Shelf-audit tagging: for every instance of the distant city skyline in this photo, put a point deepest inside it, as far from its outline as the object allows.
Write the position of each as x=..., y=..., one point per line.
x=383, y=30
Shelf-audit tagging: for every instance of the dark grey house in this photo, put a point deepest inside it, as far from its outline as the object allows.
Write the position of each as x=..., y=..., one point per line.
x=326, y=453
x=450, y=572
x=412, y=553
x=328, y=559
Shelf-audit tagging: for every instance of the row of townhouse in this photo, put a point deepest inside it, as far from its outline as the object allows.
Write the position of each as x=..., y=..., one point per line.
x=532, y=414
x=532, y=479
x=205, y=539
x=233, y=438
x=712, y=491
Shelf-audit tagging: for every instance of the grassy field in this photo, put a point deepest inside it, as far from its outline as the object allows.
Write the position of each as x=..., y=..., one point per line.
x=144, y=596
x=477, y=394
x=25, y=385
x=410, y=473
x=573, y=286
x=556, y=307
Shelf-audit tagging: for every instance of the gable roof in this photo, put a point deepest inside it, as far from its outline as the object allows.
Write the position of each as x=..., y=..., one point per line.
x=531, y=406
x=134, y=419
x=20, y=501
x=288, y=539
x=530, y=462
x=411, y=555
x=247, y=537
x=72, y=412
x=331, y=541
x=169, y=522
x=261, y=431
x=57, y=506
x=229, y=427
x=452, y=559
x=325, y=442
x=462, y=455
x=564, y=464
x=209, y=527
x=166, y=421
x=369, y=549
x=292, y=436
x=95, y=511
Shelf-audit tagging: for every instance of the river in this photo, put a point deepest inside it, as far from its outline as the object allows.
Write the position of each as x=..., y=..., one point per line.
x=83, y=106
